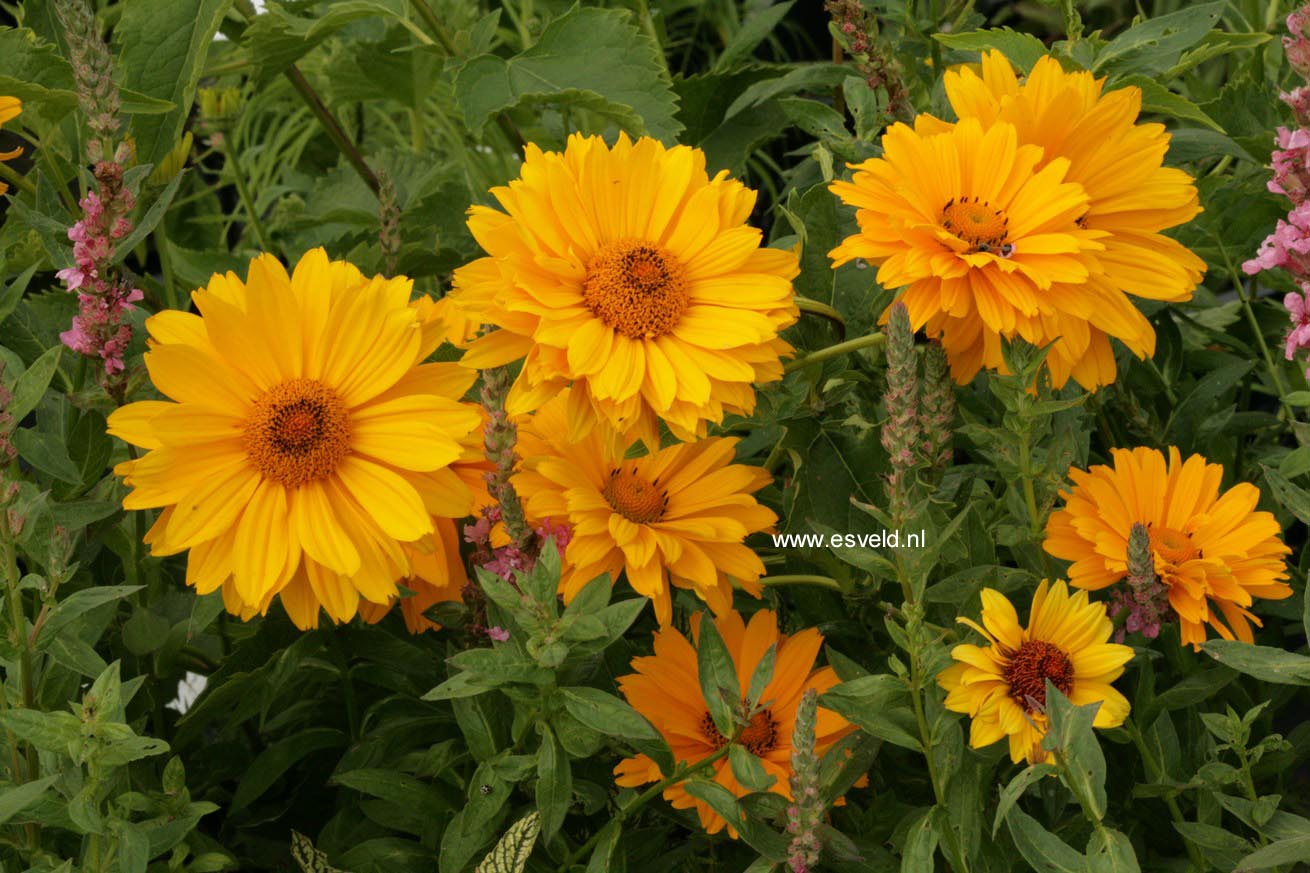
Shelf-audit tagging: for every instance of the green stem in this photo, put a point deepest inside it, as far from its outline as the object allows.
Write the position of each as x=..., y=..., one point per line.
x=1274, y=372
x=342, y=660
x=13, y=177
x=226, y=68
x=1029, y=492
x=679, y=775
x=166, y=266
x=1155, y=770
x=243, y=190
x=648, y=25
x=836, y=351
x=332, y=127
x=821, y=581
x=814, y=307
x=434, y=24
x=22, y=640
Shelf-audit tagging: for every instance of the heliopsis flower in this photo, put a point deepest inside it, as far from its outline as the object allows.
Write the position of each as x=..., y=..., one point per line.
x=302, y=444
x=1131, y=195
x=631, y=274
x=675, y=517
x=666, y=690
x=979, y=237
x=1002, y=686
x=1213, y=551
x=10, y=108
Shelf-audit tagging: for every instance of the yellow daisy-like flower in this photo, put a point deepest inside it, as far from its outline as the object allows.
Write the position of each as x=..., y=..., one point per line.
x=1002, y=686
x=436, y=575
x=675, y=517
x=630, y=274
x=666, y=689
x=10, y=108
x=978, y=234
x=1131, y=195
x=303, y=443
x=1213, y=551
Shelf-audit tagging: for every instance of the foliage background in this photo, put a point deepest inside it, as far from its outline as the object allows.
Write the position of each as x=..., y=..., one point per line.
x=329, y=733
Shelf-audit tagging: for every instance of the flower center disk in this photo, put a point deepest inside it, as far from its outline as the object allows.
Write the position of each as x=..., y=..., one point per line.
x=1031, y=666
x=975, y=221
x=759, y=737
x=298, y=432
x=636, y=499
x=636, y=288
x=1173, y=546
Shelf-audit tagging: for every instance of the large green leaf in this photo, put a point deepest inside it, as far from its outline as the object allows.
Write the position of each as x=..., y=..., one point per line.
x=618, y=74
x=1262, y=662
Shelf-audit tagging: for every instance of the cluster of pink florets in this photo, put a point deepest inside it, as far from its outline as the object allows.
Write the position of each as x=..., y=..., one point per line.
x=104, y=297
x=1288, y=247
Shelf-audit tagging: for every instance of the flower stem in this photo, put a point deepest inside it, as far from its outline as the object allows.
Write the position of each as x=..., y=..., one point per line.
x=1155, y=770
x=1242, y=295
x=680, y=774
x=814, y=307
x=868, y=341
x=22, y=183
x=821, y=581
x=243, y=190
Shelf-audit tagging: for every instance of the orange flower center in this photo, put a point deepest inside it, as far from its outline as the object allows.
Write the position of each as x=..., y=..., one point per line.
x=1031, y=666
x=1173, y=546
x=760, y=736
x=298, y=432
x=637, y=288
x=978, y=223
x=636, y=499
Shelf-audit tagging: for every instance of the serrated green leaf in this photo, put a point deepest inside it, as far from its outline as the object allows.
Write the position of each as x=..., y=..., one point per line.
x=1154, y=45
x=1022, y=49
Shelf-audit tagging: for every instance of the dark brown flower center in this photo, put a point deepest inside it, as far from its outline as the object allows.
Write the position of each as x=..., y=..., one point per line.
x=297, y=432
x=1031, y=666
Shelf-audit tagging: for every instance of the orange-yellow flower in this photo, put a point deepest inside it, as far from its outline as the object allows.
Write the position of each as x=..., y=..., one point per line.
x=436, y=575
x=677, y=517
x=630, y=274
x=10, y=108
x=666, y=690
x=1002, y=686
x=1213, y=551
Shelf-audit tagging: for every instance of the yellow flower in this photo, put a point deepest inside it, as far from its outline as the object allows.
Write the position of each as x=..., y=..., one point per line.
x=676, y=517
x=985, y=243
x=1131, y=195
x=632, y=275
x=1002, y=685
x=436, y=575
x=666, y=690
x=303, y=442
x=1212, y=550
x=10, y=108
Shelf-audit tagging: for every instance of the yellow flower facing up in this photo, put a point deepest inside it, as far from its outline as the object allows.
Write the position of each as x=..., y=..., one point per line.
x=675, y=517
x=632, y=275
x=1212, y=550
x=303, y=443
x=10, y=108
x=1131, y=197
x=1002, y=686
x=974, y=232
x=666, y=689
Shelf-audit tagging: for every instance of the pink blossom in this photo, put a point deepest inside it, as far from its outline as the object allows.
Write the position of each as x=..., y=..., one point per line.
x=1299, y=100
x=1297, y=45
x=499, y=634
x=1291, y=164
x=1287, y=247
x=1298, y=308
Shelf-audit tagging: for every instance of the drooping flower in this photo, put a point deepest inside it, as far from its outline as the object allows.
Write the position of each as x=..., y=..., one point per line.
x=666, y=690
x=10, y=108
x=303, y=443
x=1131, y=198
x=978, y=237
x=677, y=517
x=1213, y=550
x=1002, y=686
x=630, y=274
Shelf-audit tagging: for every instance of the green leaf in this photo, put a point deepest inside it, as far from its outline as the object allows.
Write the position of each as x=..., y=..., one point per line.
x=1082, y=765
x=748, y=769
x=761, y=676
x=48, y=455
x=878, y=705
x=1158, y=98
x=13, y=292
x=1010, y=795
x=620, y=67
x=607, y=714
x=512, y=851
x=1291, y=850
x=1022, y=49
x=276, y=759
x=754, y=30
x=162, y=49
x=1293, y=498
x=56, y=732
x=1043, y=850
x=18, y=798
x=1110, y=851
x=29, y=387
x=1155, y=45
x=554, y=783
x=1262, y=662
x=718, y=677
x=148, y=222
x=77, y=604
x=602, y=856
x=414, y=806
x=920, y=843
x=810, y=77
